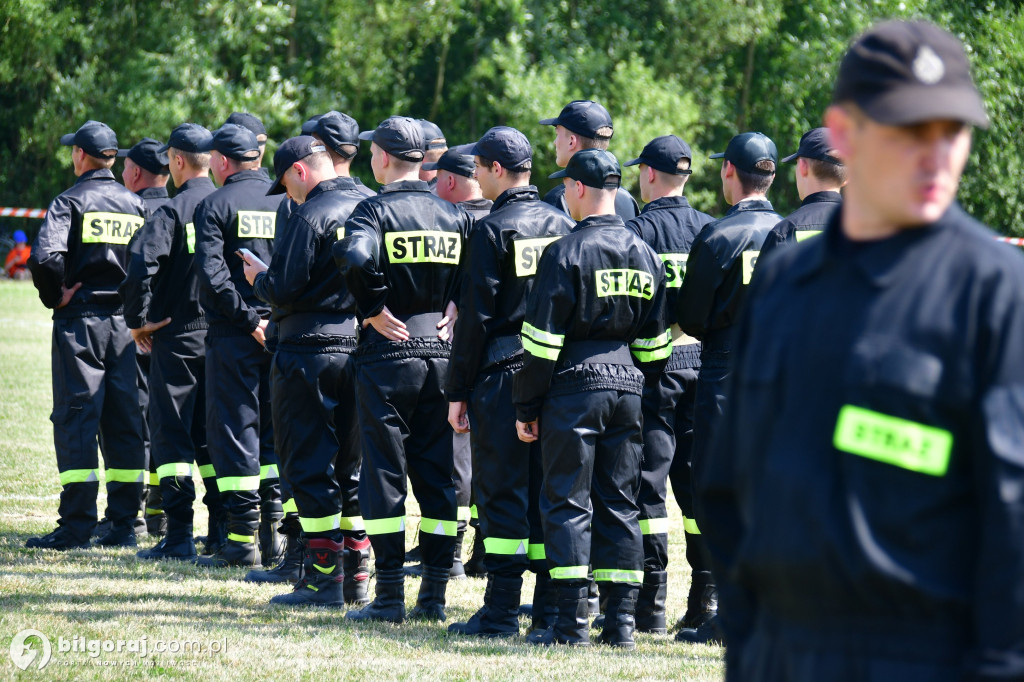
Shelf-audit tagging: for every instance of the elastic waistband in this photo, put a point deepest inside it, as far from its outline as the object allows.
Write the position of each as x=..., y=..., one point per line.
x=720, y=340
x=501, y=349
x=324, y=324
x=595, y=353
x=684, y=357
x=70, y=312
x=422, y=326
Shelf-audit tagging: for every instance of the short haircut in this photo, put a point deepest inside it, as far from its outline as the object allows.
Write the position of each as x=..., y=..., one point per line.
x=524, y=168
x=403, y=165
x=98, y=162
x=336, y=157
x=828, y=172
x=599, y=142
x=757, y=183
x=319, y=160
x=432, y=155
x=252, y=164
x=194, y=160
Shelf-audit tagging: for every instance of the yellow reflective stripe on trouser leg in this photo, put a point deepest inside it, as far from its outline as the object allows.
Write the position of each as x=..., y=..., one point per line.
x=569, y=572
x=174, y=469
x=618, y=575
x=79, y=476
x=352, y=523
x=269, y=471
x=322, y=524
x=654, y=526
x=125, y=475
x=227, y=484
x=206, y=471
x=474, y=513
x=439, y=527
x=289, y=506
x=535, y=551
x=394, y=524
x=690, y=526
x=507, y=546
x=154, y=478
x=462, y=513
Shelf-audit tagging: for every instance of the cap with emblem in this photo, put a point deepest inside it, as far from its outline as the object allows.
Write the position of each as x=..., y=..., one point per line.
x=433, y=138
x=149, y=154
x=815, y=144
x=458, y=159
x=337, y=129
x=664, y=154
x=93, y=138
x=746, y=150
x=250, y=122
x=594, y=168
x=189, y=137
x=585, y=118
x=507, y=146
x=400, y=136
x=234, y=142
x=907, y=72
x=292, y=150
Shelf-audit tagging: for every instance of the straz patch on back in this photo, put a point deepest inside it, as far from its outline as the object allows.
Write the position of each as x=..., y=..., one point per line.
x=190, y=237
x=257, y=224
x=109, y=228
x=624, y=282
x=423, y=246
x=675, y=268
x=749, y=263
x=527, y=253
x=899, y=442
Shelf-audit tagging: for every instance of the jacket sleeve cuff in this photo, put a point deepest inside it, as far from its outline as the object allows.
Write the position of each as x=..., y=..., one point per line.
x=134, y=322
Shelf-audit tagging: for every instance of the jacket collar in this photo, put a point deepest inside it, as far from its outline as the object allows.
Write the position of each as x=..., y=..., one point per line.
x=611, y=220
x=153, y=193
x=514, y=194
x=822, y=197
x=406, y=186
x=96, y=174
x=196, y=183
x=331, y=185
x=666, y=202
x=257, y=174
x=750, y=205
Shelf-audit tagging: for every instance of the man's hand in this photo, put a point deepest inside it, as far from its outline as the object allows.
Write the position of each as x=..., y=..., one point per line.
x=67, y=294
x=528, y=431
x=144, y=335
x=389, y=326
x=253, y=268
x=259, y=333
x=446, y=327
x=457, y=416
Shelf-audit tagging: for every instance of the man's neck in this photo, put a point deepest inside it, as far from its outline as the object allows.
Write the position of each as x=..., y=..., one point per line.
x=751, y=197
x=185, y=176
x=391, y=176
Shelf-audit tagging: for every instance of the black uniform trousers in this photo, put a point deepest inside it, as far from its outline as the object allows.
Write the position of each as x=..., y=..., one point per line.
x=504, y=468
x=708, y=408
x=96, y=396
x=177, y=417
x=316, y=434
x=591, y=446
x=404, y=424
x=462, y=476
x=239, y=429
x=142, y=362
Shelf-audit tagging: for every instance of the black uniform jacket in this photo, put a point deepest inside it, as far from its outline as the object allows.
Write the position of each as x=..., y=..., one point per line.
x=238, y=215
x=807, y=221
x=499, y=268
x=625, y=205
x=720, y=266
x=477, y=208
x=155, y=197
x=303, y=277
x=598, y=283
x=84, y=238
x=871, y=488
x=162, y=280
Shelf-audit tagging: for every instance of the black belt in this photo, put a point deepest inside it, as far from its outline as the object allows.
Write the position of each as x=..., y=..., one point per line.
x=423, y=326
x=326, y=324
x=595, y=353
x=502, y=349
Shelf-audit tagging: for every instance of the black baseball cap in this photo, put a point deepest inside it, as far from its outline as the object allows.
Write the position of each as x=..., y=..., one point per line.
x=398, y=135
x=582, y=117
x=337, y=129
x=663, y=154
x=188, y=137
x=746, y=150
x=291, y=150
x=594, y=168
x=94, y=138
x=251, y=122
x=507, y=146
x=433, y=138
x=309, y=127
x=149, y=154
x=907, y=72
x=815, y=144
x=457, y=159
x=234, y=142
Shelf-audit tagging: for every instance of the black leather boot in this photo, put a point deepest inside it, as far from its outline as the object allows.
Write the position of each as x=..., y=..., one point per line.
x=431, y=600
x=176, y=544
x=272, y=542
x=619, y=621
x=701, y=602
x=474, y=568
x=357, y=571
x=499, y=616
x=237, y=550
x=389, y=604
x=545, y=602
x=59, y=539
x=458, y=571
x=322, y=575
x=710, y=632
x=288, y=570
x=650, y=604
x=121, y=534
x=572, y=623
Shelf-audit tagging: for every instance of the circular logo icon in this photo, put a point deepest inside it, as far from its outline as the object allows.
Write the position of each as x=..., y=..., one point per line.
x=30, y=648
x=928, y=66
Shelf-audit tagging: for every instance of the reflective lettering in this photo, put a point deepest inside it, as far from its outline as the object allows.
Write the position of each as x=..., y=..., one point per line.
x=624, y=282
x=900, y=442
x=749, y=263
x=190, y=237
x=257, y=224
x=109, y=228
x=675, y=268
x=425, y=246
x=527, y=254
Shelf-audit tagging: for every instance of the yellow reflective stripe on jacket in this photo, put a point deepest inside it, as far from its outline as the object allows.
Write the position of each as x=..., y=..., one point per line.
x=690, y=526
x=289, y=506
x=423, y=246
x=527, y=253
x=654, y=526
x=79, y=476
x=257, y=224
x=109, y=228
x=891, y=440
x=269, y=471
x=190, y=237
x=535, y=551
x=675, y=268
x=540, y=351
x=439, y=527
x=649, y=350
x=474, y=513
x=321, y=524
x=238, y=483
x=352, y=523
x=624, y=282
x=507, y=546
x=174, y=469
x=749, y=263
x=569, y=572
x=541, y=336
x=806, y=234
x=125, y=475
x=393, y=524
x=207, y=471
x=618, y=575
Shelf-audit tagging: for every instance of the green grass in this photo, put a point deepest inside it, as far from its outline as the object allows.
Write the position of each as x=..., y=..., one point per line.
x=108, y=594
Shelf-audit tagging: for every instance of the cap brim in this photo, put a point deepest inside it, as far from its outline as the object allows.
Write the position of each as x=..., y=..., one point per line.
x=910, y=105
x=67, y=140
x=164, y=148
x=431, y=167
x=548, y=121
x=277, y=188
x=791, y=157
x=634, y=162
x=719, y=155
x=367, y=135
x=558, y=174
x=122, y=153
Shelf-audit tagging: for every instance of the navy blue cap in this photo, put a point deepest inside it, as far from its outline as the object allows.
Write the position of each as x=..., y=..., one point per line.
x=507, y=146
x=94, y=138
x=149, y=154
x=188, y=137
x=594, y=168
x=433, y=138
x=309, y=127
x=292, y=150
x=458, y=159
x=746, y=150
x=234, y=142
x=583, y=117
x=20, y=236
x=663, y=154
x=398, y=135
x=337, y=129
x=250, y=122
x=815, y=144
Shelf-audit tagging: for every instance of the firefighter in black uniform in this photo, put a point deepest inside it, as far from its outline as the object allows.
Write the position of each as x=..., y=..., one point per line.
x=501, y=261
x=668, y=224
x=819, y=177
x=595, y=316
x=340, y=134
x=400, y=258
x=161, y=294
x=718, y=270
x=77, y=261
x=583, y=124
x=434, y=147
x=863, y=504
x=237, y=216
x=313, y=382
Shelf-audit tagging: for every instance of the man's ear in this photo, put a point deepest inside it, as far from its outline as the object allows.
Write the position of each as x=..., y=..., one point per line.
x=840, y=126
x=650, y=175
x=802, y=167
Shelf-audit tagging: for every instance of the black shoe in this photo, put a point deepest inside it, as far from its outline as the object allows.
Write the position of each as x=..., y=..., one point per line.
x=322, y=576
x=619, y=622
x=499, y=616
x=650, y=603
x=178, y=549
x=572, y=623
x=102, y=528
x=430, y=602
x=59, y=540
x=389, y=605
x=119, y=537
x=156, y=524
x=701, y=604
x=356, y=563
x=289, y=570
x=234, y=553
x=272, y=542
x=708, y=633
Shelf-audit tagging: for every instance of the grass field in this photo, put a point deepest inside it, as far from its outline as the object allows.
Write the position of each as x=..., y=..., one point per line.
x=107, y=594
